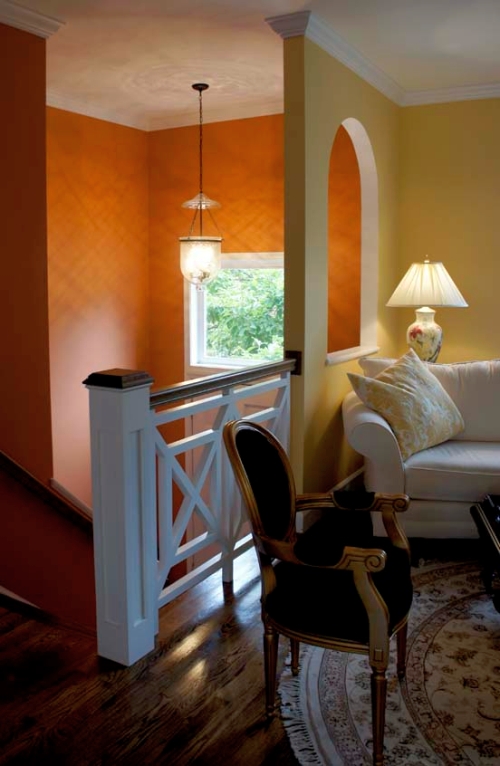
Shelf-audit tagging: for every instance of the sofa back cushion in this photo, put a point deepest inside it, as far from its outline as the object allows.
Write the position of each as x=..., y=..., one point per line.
x=473, y=386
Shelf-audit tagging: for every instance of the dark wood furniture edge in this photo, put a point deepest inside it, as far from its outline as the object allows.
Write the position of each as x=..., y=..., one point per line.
x=479, y=516
x=491, y=549
x=491, y=532
x=56, y=501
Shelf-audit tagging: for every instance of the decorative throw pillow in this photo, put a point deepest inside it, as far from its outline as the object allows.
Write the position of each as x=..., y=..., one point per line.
x=413, y=402
x=372, y=365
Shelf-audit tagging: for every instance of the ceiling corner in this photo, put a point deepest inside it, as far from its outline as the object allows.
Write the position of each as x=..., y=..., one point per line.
x=29, y=21
x=290, y=24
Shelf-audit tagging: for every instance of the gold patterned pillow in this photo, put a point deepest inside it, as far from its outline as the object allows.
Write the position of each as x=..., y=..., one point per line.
x=414, y=403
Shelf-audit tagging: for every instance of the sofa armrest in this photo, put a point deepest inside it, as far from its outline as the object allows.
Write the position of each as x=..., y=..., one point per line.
x=368, y=433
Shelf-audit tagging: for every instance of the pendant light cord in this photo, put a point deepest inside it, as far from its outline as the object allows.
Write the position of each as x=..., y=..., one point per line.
x=200, y=99
x=201, y=141
x=200, y=87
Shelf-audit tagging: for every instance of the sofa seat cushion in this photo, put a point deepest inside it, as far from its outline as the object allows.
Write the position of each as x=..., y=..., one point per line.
x=462, y=471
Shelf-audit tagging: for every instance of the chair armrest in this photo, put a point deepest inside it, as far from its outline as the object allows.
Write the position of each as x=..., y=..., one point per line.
x=388, y=506
x=364, y=559
x=362, y=562
x=313, y=501
x=369, y=434
x=355, y=559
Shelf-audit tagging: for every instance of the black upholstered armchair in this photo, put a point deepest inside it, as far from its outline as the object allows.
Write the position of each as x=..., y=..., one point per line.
x=332, y=586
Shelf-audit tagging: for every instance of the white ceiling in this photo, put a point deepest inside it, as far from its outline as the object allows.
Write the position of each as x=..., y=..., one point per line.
x=133, y=61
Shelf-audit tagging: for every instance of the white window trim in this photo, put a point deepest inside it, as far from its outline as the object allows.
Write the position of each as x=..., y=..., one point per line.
x=347, y=355
x=194, y=314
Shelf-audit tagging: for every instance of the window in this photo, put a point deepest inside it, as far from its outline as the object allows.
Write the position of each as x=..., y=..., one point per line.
x=238, y=319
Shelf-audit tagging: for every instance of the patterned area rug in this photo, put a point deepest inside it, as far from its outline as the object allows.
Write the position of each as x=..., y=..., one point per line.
x=446, y=711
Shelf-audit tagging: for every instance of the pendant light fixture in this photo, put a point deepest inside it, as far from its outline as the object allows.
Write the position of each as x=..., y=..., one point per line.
x=200, y=255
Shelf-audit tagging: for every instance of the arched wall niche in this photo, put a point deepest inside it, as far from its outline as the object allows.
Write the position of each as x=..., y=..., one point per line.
x=365, y=294
x=344, y=245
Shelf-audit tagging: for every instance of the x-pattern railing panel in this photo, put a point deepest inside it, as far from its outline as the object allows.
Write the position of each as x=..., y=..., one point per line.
x=198, y=467
x=157, y=503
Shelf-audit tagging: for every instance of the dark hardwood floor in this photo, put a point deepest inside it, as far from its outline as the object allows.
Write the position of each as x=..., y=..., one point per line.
x=197, y=699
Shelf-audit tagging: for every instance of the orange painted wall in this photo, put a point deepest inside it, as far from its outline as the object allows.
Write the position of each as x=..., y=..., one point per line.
x=44, y=557
x=243, y=170
x=97, y=180
x=25, y=426
x=344, y=245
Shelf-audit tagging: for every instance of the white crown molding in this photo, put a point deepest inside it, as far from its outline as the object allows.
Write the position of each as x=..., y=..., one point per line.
x=324, y=36
x=446, y=95
x=29, y=21
x=290, y=24
x=233, y=112
x=315, y=29
x=59, y=101
x=239, y=111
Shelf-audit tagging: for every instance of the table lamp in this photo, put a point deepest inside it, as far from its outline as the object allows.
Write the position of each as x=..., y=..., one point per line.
x=426, y=284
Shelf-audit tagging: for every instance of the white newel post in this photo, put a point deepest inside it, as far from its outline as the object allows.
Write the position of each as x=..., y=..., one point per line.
x=123, y=496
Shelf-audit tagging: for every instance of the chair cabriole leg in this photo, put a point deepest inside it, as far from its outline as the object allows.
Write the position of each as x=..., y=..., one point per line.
x=401, y=645
x=270, y=661
x=379, y=692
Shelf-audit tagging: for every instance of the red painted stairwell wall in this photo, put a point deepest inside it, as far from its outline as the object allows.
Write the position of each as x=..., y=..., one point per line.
x=43, y=556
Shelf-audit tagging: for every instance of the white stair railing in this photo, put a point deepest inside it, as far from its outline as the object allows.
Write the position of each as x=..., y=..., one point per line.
x=163, y=491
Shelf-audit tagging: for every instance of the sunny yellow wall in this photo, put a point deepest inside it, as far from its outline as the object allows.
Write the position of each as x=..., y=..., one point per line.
x=319, y=94
x=449, y=208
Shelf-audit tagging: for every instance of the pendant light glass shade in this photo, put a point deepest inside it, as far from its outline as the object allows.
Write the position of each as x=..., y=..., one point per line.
x=200, y=259
x=200, y=255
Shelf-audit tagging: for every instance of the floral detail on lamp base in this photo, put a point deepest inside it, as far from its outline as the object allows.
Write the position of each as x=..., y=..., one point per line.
x=425, y=336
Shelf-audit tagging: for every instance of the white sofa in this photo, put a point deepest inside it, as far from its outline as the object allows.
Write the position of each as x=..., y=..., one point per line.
x=442, y=481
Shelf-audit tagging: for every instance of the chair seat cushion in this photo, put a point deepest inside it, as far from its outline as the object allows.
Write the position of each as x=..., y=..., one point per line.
x=325, y=603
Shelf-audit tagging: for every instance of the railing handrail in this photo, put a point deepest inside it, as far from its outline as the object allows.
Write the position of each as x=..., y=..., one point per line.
x=220, y=381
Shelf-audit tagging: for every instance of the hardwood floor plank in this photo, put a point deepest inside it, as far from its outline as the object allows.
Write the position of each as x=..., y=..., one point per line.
x=198, y=698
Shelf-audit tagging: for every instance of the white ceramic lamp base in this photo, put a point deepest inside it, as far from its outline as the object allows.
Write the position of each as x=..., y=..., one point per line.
x=424, y=336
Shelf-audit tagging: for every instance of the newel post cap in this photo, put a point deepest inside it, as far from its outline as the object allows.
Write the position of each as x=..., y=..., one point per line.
x=119, y=379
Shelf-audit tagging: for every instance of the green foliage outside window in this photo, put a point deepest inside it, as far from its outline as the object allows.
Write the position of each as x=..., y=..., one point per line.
x=245, y=314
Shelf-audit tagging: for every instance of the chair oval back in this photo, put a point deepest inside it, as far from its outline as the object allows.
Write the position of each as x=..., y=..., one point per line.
x=265, y=478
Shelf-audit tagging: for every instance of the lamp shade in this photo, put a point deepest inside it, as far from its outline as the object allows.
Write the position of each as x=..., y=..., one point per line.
x=200, y=259
x=427, y=284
